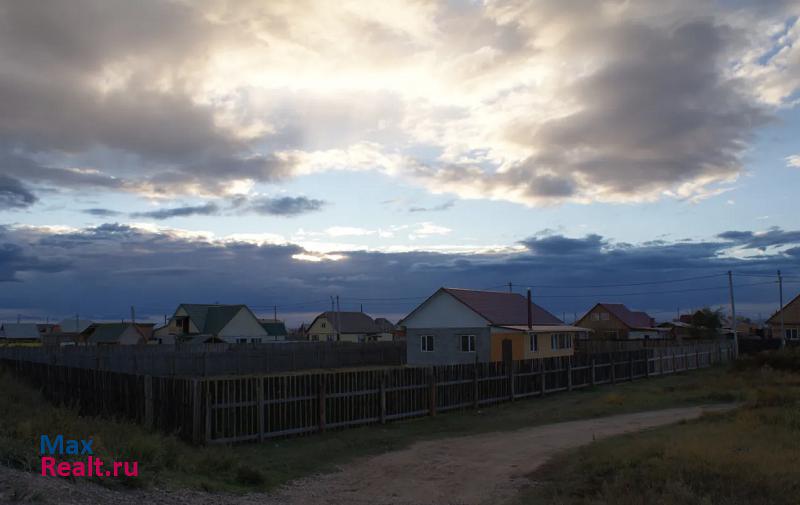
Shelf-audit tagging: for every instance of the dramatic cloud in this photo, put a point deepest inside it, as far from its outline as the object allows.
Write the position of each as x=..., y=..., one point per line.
x=287, y=206
x=13, y=194
x=207, y=209
x=101, y=271
x=793, y=161
x=538, y=103
x=97, y=212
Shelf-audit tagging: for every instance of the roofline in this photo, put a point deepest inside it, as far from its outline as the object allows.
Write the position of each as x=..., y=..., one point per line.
x=781, y=309
x=603, y=304
x=444, y=289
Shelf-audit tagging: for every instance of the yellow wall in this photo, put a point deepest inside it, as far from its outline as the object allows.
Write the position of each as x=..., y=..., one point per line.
x=521, y=344
x=518, y=341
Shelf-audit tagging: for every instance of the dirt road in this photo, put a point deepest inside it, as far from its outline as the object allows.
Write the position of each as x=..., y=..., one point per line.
x=478, y=469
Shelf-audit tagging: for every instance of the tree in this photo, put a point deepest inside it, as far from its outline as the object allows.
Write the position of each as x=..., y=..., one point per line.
x=706, y=323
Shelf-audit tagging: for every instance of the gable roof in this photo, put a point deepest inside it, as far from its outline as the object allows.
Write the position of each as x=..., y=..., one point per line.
x=630, y=318
x=501, y=308
x=349, y=322
x=383, y=324
x=774, y=317
x=20, y=331
x=69, y=325
x=210, y=318
x=274, y=328
x=109, y=333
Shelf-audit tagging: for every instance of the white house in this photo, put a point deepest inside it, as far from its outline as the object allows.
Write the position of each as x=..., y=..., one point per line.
x=235, y=324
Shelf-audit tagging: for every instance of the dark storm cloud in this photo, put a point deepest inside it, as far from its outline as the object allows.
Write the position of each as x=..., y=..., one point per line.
x=285, y=206
x=107, y=268
x=14, y=195
x=659, y=113
x=52, y=63
x=208, y=209
x=772, y=237
x=98, y=212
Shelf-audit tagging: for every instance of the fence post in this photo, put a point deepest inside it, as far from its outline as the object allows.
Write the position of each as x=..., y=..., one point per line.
x=197, y=437
x=148, y=402
x=647, y=363
x=697, y=359
x=260, y=403
x=569, y=373
x=613, y=370
x=383, y=397
x=719, y=349
x=208, y=410
x=475, y=390
x=630, y=366
x=511, y=380
x=674, y=362
x=593, y=372
x=321, y=386
x=432, y=389
x=543, y=376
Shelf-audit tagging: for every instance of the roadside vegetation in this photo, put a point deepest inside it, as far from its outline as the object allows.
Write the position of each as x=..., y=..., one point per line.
x=747, y=456
x=167, y=462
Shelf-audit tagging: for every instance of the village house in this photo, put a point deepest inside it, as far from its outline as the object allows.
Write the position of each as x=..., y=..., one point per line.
x=234, y=324
x=791, y=321
x=20, y=333
x=616, y=321
x=348, y=327
x=276, y=329
x=102, y=334
x=464, y=326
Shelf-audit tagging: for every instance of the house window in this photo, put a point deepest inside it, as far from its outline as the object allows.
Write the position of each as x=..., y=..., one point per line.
x=361, y=338
x=468, y=343
x=791, y=333
x=534, y=342
x=255, y=340
x=322, y=325
x=596, y=316
x=241, y=340
x=604, y=316
x=560, y=341
x=426, y=342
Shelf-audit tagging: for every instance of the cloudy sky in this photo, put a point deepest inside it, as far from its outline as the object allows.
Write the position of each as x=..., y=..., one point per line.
x=278, y=153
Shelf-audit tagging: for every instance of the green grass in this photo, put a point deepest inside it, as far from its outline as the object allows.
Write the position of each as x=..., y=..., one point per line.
x=747, y=456
x=167, y=462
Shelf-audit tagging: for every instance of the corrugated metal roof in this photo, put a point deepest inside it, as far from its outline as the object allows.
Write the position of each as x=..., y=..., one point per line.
x=109, y=333
x=274, y=328
x=501, y=308
x=350, y=322
x=209, y=318
x=634, y=319
x=20, y=331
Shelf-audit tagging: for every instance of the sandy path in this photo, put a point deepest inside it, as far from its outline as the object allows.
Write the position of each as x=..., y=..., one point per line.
x=473, y=470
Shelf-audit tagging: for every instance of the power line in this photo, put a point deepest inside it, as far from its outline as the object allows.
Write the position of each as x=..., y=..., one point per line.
x=590, y=286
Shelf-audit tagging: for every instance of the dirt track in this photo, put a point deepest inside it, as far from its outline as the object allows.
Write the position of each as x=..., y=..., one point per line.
x=478, y=469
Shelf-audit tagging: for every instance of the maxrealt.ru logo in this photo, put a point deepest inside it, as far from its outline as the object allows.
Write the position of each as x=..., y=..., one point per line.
x=91, y=467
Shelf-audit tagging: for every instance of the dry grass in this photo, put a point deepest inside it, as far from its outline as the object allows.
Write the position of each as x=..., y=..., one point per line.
x=748, y=456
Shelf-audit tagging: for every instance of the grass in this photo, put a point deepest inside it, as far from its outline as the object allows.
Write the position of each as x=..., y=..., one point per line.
x=167, y=462
x=747, y=456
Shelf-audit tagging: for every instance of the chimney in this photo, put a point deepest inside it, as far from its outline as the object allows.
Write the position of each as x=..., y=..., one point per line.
x=530, y=315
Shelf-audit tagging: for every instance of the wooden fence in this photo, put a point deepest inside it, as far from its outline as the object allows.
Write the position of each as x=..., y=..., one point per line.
x=215, y=359
x=255, y=408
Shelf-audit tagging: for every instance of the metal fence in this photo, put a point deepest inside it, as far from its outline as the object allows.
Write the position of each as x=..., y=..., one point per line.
x=255, y=408
x=215, y=359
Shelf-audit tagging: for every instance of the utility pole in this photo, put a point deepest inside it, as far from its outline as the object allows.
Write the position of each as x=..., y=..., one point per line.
x=338, y=319
x=780, y=294
x=333, y=313
x=275, y=313
x=733, y=316
x=510, y=287
x=133, y=315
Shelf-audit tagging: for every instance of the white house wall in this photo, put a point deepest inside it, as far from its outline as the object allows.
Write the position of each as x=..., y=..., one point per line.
x=444, y=311
x=243, y=324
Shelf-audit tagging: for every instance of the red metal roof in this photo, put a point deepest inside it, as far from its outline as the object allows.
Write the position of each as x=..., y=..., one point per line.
x=502, y=308
x=629, y=317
